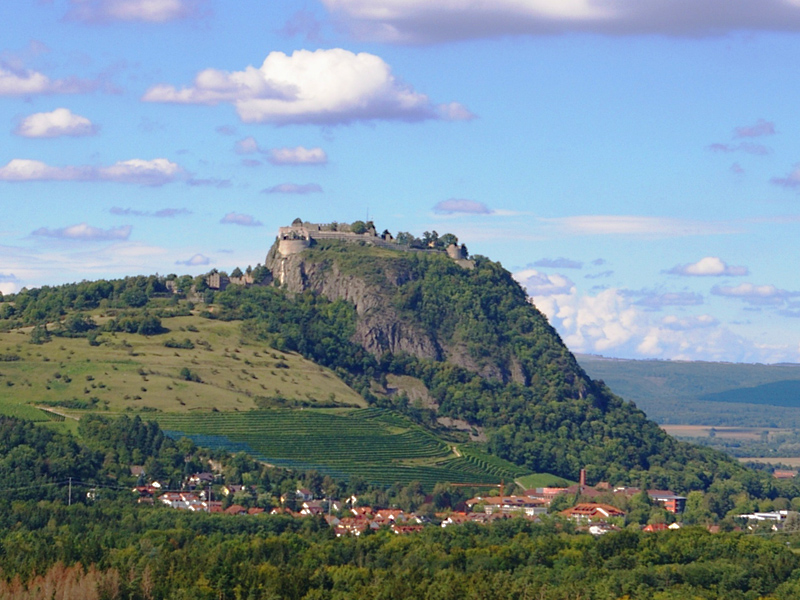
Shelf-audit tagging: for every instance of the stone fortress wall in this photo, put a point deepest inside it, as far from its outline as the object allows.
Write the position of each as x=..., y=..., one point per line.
x=297, y=237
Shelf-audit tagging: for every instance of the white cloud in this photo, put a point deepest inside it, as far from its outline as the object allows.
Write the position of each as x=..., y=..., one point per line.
x=558, y=263
x=293, y=188
x=233, y=218
x=150, y=11
x=428, y=21
x=754, y=294
x=325, y=87
x=610, y=323
x=145, y=172
x=636, y=225
x=9, y=284
x=24, y=82
x=710, y=266
x=460, y=205
x=164, y=213
x=86, y=233
x=54, y=263
x=195, y=261
x=542, y=284
x=60, y=122
x=689, y=323
x=298, y=156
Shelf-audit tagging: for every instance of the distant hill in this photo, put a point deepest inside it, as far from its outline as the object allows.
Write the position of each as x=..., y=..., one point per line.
x=448, y=347
x=704, y=393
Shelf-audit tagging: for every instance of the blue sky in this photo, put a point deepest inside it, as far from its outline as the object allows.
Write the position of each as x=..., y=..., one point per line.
x=635, y=163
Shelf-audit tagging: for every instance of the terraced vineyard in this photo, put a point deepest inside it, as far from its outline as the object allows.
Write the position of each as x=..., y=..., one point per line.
x=380, y=446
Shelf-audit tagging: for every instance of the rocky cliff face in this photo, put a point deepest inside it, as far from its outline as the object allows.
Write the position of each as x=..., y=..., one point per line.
x=380, y=328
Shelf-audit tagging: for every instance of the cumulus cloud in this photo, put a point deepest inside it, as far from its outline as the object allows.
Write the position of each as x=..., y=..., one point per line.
x=754, y=294
x=610, y=322
x=24, y=82
x=9, y=284
x=542, y=284
x=297, y=156
x=195, y=261
x=430, y=21
x=636, y=225
x=791, y=181
x=158, y=171
x=293, y=188
x=149, y=11
x=233, y=218
x=86, y=233
x=461, y=206
x=325, y=87
x=558, y=263
x=60, y=122
x=710, y=266
x=164, y=213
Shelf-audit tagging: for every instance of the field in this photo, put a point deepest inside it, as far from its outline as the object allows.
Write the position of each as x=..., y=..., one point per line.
x=134, y=373
x=380, y=446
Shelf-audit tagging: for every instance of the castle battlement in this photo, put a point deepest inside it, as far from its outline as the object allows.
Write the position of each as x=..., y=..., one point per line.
x=298, y=236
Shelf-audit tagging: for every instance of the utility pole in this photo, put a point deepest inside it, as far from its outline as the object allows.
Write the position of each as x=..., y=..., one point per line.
x=69, y=502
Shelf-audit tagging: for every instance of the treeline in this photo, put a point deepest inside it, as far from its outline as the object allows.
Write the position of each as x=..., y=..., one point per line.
x=111, y=551
x=52, y=303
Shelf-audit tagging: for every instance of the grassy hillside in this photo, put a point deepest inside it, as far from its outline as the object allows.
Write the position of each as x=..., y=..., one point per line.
x=131, y=372
x=705, y=393
x=242, y=400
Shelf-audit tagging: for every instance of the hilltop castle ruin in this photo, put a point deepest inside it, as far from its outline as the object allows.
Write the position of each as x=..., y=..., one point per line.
x=301, y=235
